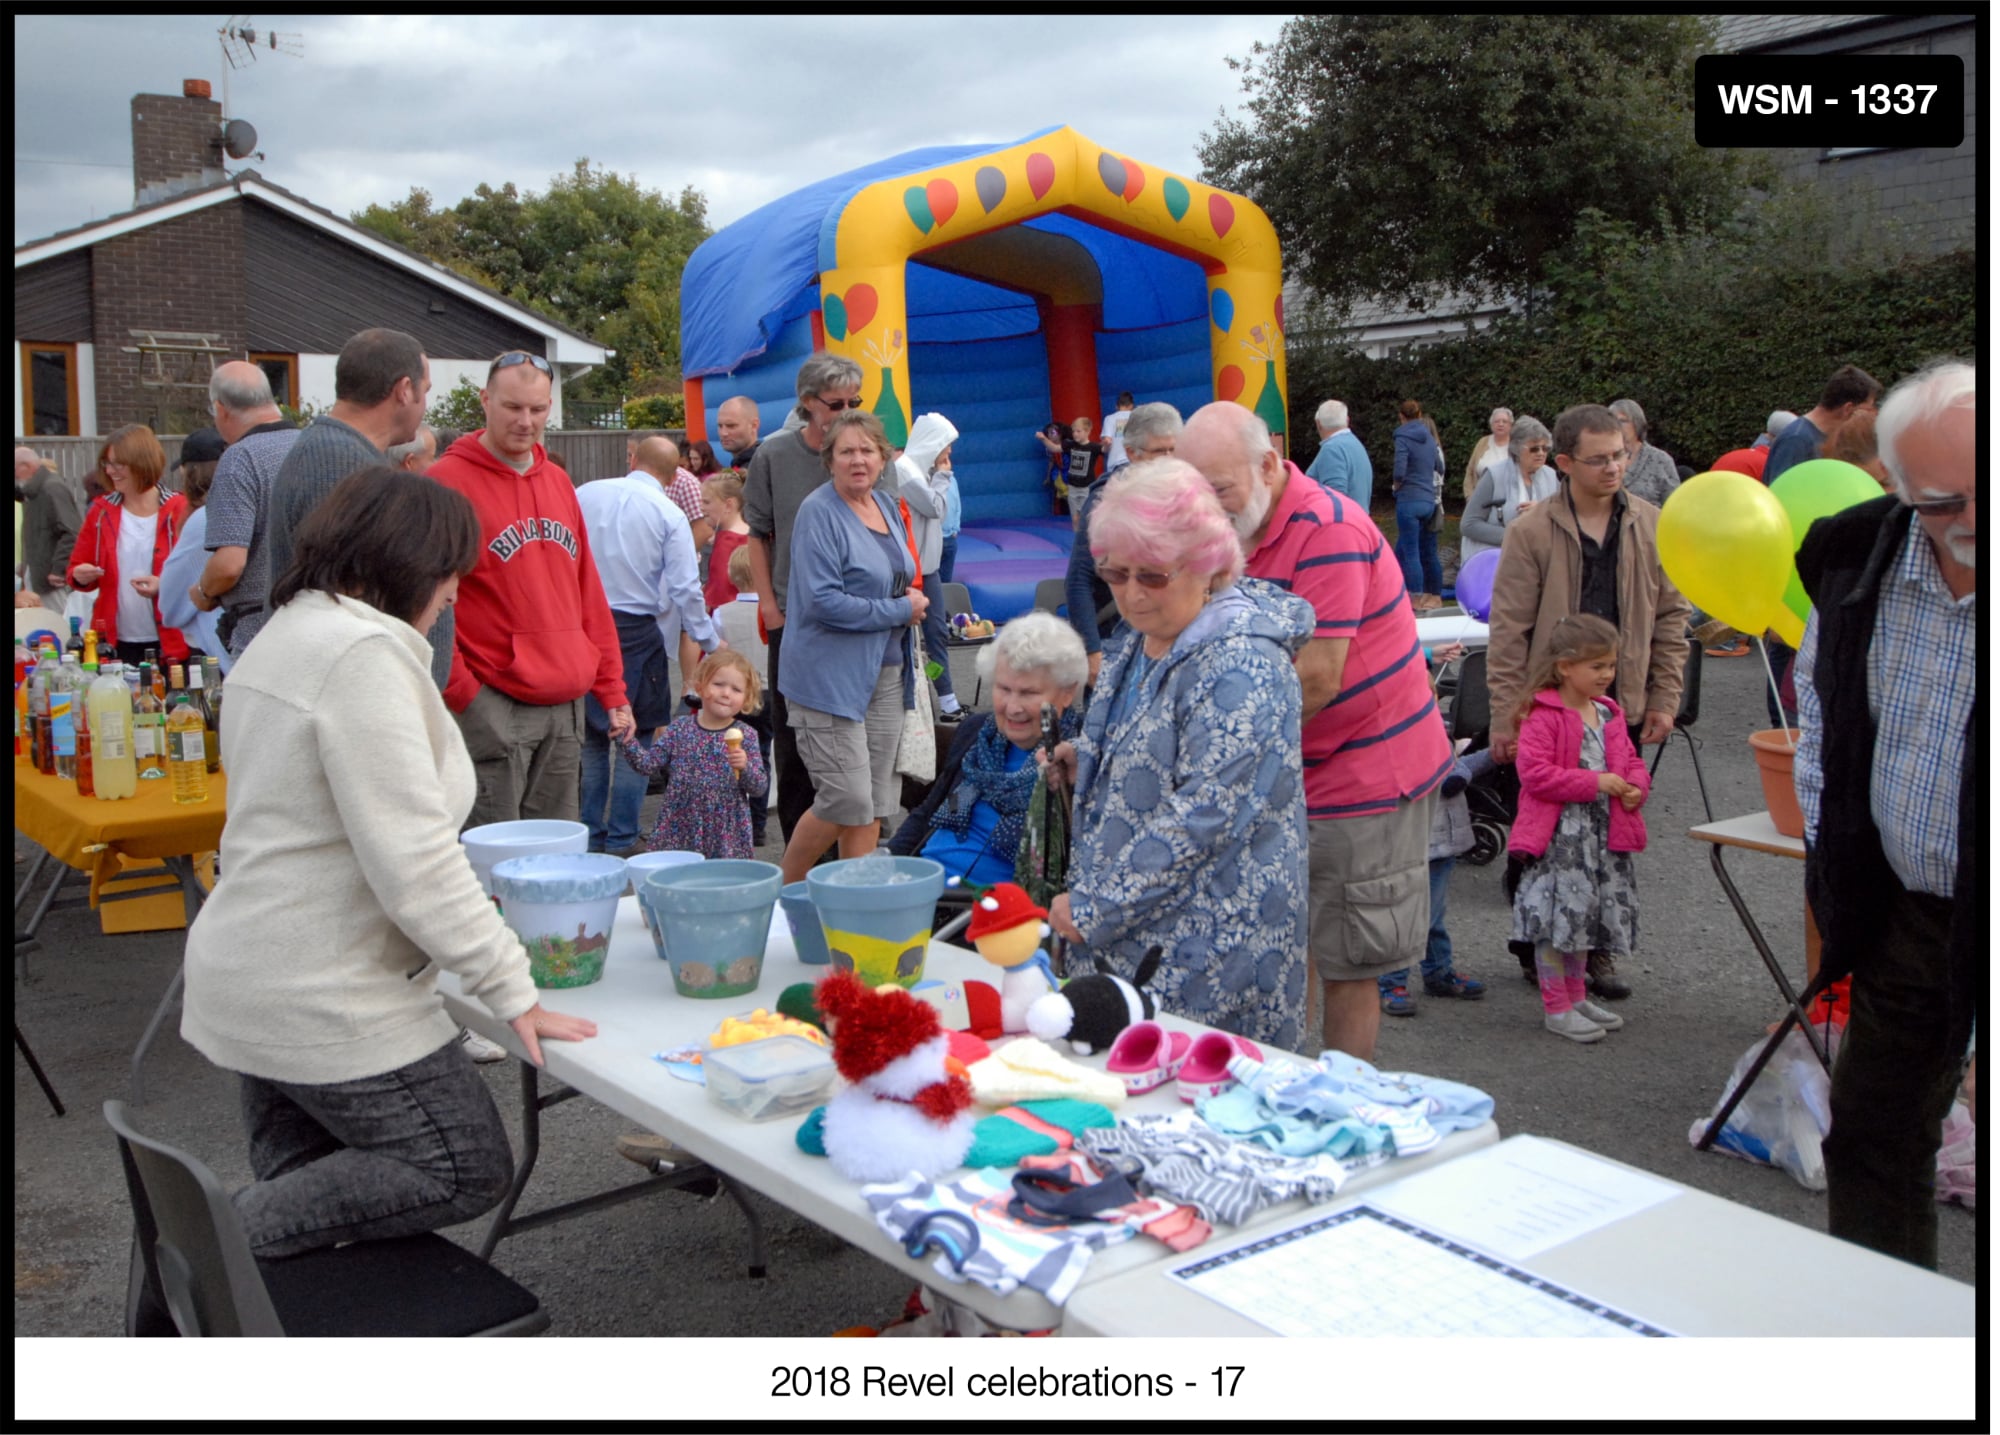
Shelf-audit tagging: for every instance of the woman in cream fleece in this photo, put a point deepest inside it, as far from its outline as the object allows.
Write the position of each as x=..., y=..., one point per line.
x=312, y=969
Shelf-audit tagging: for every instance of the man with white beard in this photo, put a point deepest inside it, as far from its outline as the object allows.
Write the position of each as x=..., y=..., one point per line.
x=1889, y=775
x=1375, y=749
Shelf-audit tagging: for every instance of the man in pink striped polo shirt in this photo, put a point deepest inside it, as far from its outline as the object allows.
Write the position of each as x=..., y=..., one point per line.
x=1375, y=750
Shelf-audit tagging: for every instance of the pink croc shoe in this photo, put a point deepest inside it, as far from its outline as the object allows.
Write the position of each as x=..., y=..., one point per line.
x=1206, y=1071
x=1146, y=1056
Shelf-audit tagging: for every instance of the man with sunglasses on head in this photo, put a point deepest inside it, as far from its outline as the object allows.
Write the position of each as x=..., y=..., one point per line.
x=1890, y=778
x=1375, y=753
x=785, y=469
x=1593, y=548
x=535, y=632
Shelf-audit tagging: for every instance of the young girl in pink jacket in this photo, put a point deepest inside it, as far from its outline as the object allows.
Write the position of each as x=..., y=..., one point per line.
x=1578, y=821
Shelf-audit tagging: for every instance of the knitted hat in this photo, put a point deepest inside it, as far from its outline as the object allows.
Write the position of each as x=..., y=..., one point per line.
x=873, y=1028
x=1003, y=907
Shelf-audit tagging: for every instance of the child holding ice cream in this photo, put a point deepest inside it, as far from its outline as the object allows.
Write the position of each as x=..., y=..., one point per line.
x=715, y=771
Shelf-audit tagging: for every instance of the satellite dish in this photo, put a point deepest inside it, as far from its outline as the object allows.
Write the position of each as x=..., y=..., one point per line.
x=239, y=138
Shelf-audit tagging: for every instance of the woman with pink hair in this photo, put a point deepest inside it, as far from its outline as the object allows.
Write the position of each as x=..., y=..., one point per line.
x=1189, y=825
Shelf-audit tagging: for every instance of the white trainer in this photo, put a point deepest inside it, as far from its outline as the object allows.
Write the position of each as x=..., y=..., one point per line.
x=1591, y=1011
x=479, y=1048
x=1574, y=1025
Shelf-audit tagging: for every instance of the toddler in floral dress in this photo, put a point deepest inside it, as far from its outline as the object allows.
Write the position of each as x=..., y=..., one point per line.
x=715, y=771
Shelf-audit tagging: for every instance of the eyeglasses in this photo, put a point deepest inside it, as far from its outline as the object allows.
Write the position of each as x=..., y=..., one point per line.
x=508, y=361
x=1941, y=507
x=838, y=404
x=1119, y=577
x=1600, y=462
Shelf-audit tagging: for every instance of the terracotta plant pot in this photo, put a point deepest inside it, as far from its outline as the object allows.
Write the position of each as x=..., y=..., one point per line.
x=1773, y=748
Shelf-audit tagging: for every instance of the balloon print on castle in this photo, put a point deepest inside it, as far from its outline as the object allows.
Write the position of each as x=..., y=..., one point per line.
x=1024, y=280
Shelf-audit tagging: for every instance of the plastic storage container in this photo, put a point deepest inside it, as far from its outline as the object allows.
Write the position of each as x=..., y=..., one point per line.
x=763, y=1080
x=497, y=841
x=714, y=920
x=877, y=914
x=803, y=918
x=561, y=905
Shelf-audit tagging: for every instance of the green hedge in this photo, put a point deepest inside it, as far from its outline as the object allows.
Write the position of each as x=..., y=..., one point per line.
x=1707, y=343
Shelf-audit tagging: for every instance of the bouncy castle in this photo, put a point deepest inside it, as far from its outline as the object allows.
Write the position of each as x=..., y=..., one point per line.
x=1004, y=287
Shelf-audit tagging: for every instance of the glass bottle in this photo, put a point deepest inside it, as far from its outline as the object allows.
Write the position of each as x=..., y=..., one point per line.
x=159, y=677
x=149, y=728
x=197, y=696
x=187, y=756
x=110, y=704
x=211, y=686
x=75, y=643
x=63, y=687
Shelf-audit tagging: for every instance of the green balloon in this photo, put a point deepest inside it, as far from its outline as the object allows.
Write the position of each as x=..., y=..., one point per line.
x=1810, y=491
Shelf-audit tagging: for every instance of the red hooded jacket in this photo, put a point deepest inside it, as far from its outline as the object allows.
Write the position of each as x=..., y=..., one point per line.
x=531, y=619
x=97, y=544
x=1551, y=747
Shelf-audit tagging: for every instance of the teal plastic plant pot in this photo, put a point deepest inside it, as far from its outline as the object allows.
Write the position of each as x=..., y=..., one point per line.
x=561, y=905
x=803, y=918
x=876, y=912
x=714, y=919
x=498, y=841
x=636, y=868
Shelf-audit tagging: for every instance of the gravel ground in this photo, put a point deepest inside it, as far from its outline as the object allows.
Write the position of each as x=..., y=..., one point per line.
x=1700, y=999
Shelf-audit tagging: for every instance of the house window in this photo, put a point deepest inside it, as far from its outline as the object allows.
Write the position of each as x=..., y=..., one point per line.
x=283, y=372
x=48, y=388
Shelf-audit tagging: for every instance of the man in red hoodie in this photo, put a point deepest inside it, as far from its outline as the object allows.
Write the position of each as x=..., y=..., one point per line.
x=534, y=631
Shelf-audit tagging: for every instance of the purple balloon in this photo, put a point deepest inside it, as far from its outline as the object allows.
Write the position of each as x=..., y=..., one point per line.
x=1475, y=584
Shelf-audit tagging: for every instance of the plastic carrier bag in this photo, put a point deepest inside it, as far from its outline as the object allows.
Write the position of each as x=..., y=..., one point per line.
x=1784, y=1117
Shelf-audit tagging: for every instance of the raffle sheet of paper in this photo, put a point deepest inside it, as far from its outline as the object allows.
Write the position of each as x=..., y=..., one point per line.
x=1366, y=1272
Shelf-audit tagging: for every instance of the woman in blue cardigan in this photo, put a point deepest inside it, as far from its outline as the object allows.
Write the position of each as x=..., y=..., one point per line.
x=851, y=606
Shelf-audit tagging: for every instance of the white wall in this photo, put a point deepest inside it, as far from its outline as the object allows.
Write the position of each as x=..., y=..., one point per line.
x=316, y=380
x=86, y=387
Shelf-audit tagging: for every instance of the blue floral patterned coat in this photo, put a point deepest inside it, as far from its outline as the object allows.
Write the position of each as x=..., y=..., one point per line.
x=1190, y=822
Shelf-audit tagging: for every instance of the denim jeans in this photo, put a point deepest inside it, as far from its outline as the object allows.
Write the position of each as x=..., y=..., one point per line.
x=1437, y=947
x=947, y=558
x=611, y=790
x=1080, y=583
x=1417, y=546
x=392, y=1155
x=935, y=650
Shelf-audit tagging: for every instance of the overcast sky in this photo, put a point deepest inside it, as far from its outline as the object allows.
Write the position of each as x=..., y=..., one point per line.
x=742, y=109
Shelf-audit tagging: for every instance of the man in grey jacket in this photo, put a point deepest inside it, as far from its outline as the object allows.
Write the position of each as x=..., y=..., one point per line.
x=51, y=514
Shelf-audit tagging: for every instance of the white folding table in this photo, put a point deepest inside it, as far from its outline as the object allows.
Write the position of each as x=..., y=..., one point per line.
x=638, y=1013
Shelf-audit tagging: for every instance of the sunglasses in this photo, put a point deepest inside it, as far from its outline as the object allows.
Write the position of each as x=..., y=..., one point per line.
x=1941, y=507
x=838, y=404
x=508, y=361
x=1119, y=577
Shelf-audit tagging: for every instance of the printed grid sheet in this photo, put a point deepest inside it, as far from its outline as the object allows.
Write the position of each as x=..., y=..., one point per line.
x=1365, y=1272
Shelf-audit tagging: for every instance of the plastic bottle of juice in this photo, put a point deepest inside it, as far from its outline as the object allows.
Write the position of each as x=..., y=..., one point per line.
x=41, y=751
x=110, y=707
x=187, y=755
x=86, y=774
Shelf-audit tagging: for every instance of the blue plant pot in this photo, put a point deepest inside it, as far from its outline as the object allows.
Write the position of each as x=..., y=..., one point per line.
x=803, y=918
x=714, y=919
x=879, y=930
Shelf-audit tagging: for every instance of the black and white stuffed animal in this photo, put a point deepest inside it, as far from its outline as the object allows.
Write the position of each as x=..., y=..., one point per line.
x=1089, y=1011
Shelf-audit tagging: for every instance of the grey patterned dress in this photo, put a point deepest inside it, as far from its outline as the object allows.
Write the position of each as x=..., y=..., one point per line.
x=1579, y=895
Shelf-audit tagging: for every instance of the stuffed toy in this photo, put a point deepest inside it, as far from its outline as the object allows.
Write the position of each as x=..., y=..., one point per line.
x=902, y=1113
x=1007, y=929
x=1090, y=1011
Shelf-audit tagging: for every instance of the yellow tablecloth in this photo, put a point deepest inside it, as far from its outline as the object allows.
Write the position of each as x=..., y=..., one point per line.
x=105, y=838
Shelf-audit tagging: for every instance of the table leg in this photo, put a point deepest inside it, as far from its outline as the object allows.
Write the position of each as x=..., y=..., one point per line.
x=63, y=871
x=191, y=896
x=531, y=1150
x=750, y=1218
x=1771, y=964
x=28, y=882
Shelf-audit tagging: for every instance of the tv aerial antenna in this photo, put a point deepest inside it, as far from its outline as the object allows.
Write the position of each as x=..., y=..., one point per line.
x=241, y=40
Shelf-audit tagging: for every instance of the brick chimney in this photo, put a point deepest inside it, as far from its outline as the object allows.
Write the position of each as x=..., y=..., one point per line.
x=176, y=142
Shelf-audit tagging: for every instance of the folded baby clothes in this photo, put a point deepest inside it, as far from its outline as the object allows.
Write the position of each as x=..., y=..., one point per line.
x=1028, y=1070
x=1033, y=1128
x=1291, y=1109
x=1446, y=1105
x=1006, y=1254
x=1224, y=1179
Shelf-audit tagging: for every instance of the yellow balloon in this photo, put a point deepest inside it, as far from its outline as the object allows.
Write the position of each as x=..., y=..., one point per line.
x=1787, y=625
x=1726, y=542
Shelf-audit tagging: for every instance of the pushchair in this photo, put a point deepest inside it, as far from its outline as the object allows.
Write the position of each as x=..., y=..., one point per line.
x=1492, y=796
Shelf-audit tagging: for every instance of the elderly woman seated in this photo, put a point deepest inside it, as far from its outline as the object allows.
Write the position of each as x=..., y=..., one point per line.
x=974, y=819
